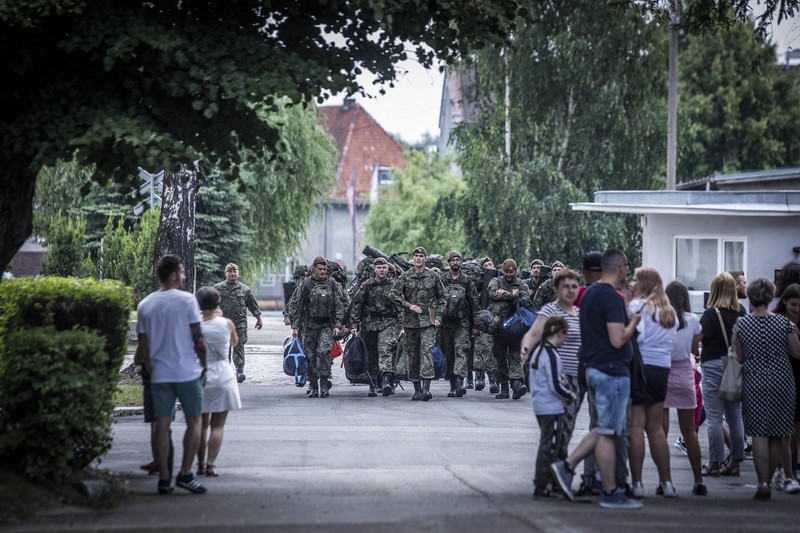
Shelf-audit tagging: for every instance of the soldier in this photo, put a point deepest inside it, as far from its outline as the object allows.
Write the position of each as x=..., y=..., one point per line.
x=460, y=307
x=483, y=359
x=419, y=292
x=235, y=299
x=536, y=278
x=546, y=292
x=504, y=293
x=375, y=315
x=317, y=308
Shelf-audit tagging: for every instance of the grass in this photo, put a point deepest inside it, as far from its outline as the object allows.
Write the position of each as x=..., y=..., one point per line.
x=128, y=394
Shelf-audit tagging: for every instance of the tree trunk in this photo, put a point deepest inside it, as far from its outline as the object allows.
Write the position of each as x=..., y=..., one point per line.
x=16, y=211
x=176, y=234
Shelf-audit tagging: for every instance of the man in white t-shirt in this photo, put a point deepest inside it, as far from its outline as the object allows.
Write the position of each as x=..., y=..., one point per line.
x=174, y=354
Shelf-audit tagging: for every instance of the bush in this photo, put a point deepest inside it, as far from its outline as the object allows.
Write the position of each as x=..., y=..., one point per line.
x=65, y=242
x=62, y=342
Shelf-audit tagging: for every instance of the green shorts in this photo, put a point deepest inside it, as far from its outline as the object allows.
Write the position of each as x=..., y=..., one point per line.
x=190, y=393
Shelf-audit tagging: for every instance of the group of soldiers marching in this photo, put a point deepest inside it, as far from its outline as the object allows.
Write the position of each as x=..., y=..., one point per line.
x=454, y=304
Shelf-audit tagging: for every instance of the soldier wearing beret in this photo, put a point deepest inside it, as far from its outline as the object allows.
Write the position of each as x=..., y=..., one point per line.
x=235, y=299
x=546, y=292
x=419, y=292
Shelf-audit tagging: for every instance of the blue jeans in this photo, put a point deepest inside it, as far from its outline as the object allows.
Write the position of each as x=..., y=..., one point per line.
x=611, y=395
x=715, y=409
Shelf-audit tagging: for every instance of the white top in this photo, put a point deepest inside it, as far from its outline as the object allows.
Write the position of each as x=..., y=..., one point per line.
x=165, y=317
x=655, y=341
x=217, y=335
x=682, y=349
x=572, y=344
x=549, y=393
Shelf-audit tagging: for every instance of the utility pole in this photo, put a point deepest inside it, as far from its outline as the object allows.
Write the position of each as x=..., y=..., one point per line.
x=508, y=108
x=672, y=99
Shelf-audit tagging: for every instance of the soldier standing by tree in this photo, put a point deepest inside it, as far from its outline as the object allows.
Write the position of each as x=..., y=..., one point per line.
x=460, y=306
x=375, y=316
x=235, y=299
x=419, y=292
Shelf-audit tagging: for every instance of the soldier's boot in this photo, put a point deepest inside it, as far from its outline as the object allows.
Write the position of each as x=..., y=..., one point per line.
x=470, y=383
x=493, y=388
x=452, y=393
x=426, y=390
x=503, y=394
x=393, y=382
x=386, y=384
x=460, y=389
x=240, y=377
x=417, y=392
x=324, y=387
x=313, y=389
x=373, y=387
x=479, y=383
x=519, y=388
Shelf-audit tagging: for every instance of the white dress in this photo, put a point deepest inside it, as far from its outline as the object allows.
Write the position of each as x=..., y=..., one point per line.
x=221, y=392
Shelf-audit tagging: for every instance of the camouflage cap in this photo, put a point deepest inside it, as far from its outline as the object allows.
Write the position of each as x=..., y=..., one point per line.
x=380, y=261
x=537, y=262
x=556, y=264
x=420, y=250
x=509, y=264
x=452, y=254
x=319, y=260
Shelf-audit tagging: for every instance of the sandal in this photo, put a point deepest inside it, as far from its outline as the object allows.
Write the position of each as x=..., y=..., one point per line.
x=730, y=469
x=712, y=469
x=201, y=469
x=211, y=470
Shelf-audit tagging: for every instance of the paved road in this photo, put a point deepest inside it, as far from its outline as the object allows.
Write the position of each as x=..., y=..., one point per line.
x=352, y=463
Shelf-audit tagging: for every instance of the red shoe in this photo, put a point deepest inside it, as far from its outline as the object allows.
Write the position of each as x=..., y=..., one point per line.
x=151, y=468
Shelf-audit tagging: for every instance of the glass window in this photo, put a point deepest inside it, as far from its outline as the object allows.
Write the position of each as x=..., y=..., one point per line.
x=385, y=176
x=699, y=259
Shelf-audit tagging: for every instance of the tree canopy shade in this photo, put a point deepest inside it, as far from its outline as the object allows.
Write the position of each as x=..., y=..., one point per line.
x=134, y=83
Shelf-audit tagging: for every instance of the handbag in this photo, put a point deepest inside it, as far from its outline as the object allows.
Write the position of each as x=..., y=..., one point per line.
x=638, y=376
x=514, y=328
x=730, y=388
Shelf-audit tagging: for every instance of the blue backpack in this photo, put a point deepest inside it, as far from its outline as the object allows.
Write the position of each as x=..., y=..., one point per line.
x=295, y=363
x=514, y=328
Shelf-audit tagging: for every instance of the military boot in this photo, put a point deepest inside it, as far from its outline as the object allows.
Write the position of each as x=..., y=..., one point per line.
x=372, y=393
x=460, y=389
x=426, y=390
x=324, y=387
x=503, y=394
x=313, y=389
x=519, y=388
x=479, y=383
x=470, y=384
x=417, y=392
x=386, y=384
x=392, y=383
x=240, y=377
x=493, y=388
x=452, y=393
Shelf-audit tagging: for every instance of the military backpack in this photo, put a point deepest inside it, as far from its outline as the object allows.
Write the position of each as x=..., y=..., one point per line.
x=455, y=300
x=321, y=300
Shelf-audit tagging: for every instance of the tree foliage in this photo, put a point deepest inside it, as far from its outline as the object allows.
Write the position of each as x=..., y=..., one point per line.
x=406, y=217
x=66, y=240
x=127, y=252
x=733, y=116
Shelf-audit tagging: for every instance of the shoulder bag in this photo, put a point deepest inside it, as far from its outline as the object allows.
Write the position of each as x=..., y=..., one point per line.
x=730, y=388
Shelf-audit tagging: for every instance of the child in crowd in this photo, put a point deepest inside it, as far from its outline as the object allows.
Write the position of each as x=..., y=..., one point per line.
x=550, y=395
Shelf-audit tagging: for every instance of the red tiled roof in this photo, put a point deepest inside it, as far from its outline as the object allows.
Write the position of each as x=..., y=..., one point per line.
x=362, y=145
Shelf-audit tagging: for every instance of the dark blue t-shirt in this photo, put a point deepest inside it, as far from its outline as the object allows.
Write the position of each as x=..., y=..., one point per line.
x=601, y=304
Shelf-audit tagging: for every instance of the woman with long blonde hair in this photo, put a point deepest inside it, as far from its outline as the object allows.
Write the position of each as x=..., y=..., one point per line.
x=722, y=311
x=655, y=336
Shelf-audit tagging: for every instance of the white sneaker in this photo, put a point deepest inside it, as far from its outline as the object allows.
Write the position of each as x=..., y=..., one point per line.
x=668, y=490
x=637, y=491
x=791, y=486
x=777, y=479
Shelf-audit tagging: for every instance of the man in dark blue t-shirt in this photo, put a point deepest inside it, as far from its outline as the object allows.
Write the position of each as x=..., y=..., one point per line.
x=607, y=352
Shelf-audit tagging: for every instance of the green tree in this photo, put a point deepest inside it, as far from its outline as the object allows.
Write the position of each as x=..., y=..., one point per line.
x=731, y=116
x=65, y=239
x=127, y=252
x=406, y=217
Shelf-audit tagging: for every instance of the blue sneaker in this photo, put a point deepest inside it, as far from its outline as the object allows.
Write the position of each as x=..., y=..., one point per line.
x=618, y=500
x=562, y=474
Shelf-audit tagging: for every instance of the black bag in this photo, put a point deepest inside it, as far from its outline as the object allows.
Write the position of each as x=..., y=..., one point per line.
x=295, y=363
x=356, y=359
x=455, y=300
x=638, y=377
x=514, y=328
x=438, y=362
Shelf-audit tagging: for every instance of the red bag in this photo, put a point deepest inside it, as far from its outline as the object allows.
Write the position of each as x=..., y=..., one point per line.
x=336, y=350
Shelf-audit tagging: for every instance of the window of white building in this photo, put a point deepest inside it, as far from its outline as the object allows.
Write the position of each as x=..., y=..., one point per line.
x=699, y=259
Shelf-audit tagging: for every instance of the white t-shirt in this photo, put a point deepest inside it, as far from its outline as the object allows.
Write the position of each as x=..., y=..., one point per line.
x=655, y=341
x=165, y=317
x=682, y=349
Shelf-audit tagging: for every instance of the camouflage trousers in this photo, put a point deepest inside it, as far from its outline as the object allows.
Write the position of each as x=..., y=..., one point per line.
x=382, y=345
x=508, y=363
x=317, y=343
x=483, y=359
x=238, y=350
x=454, y=343
x=418, y=344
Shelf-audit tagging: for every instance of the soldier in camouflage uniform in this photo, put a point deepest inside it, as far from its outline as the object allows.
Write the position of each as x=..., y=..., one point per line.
x=483, y=359
x=536, y=278
x=419, y=293
x=460, y=307
x=504, y=292
x=317, y=308
x=375, y=315
x=546, y=293
x=235, y=299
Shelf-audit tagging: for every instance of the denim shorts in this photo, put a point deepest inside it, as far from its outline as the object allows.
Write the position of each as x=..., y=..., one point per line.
x=610, y=395
x=190, y=393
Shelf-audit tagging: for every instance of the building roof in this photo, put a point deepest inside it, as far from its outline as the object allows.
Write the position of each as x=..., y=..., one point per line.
x=776, y=179
x=742, y=203
x=362, y=145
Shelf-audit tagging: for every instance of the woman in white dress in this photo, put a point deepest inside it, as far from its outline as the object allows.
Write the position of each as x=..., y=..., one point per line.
x=221, y=393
